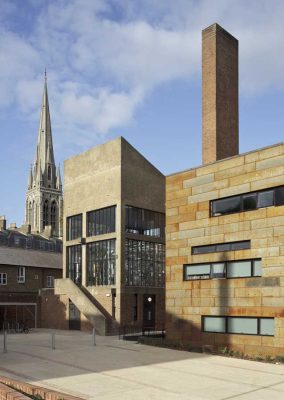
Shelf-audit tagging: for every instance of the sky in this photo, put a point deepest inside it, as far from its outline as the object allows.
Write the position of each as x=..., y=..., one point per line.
x=128, y=68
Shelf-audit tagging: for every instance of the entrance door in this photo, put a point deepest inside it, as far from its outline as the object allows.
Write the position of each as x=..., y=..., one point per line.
x=149, y=311
x=74, y=317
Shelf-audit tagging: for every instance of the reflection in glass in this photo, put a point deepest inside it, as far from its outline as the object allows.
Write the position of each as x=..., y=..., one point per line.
x=100, y=222
x=144, y=263
x=101, y=263
x=144, y=222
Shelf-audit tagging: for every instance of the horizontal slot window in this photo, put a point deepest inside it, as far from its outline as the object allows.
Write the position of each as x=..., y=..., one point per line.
x=238, y=325
x=228, y=269
x=215, y=248
x=248, y=201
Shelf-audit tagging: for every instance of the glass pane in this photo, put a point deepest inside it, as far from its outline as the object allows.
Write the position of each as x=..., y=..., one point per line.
x=241, y=245
x=237, y=269
x=214, y=324
x=223, y=247
x=203, y=269
x=224, y=206
x=279, y=196
x=265, y=199
x=218, y=270
x=249, y=201
x=242, y=325
x=267, y=326
x=203, y=249
x=257, y=268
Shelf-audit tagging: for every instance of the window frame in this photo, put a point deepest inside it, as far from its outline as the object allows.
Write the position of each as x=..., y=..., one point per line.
x=78, y=226
x=50, y=282
x=3, y=277
x=21, y=277
x=215, y=247
x=276, y=202
x=226, y=317
x=105, y=216
x=211, y=275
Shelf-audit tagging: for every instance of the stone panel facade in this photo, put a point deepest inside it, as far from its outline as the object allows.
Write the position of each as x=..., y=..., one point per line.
x=188, y=223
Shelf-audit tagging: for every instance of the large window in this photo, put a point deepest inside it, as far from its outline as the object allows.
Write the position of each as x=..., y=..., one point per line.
x=74, y=227
x=226, y=269
x=144, y=263
x=248, y=201
x=21, y=275
x=100, y=222
x=50, y=281
x=214, y=248
x=144, y=222
x=74, y=263
x=238, y=325
x=101, y=262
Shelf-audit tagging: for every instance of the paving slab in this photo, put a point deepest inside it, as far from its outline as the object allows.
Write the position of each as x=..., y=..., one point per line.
x=126, y=370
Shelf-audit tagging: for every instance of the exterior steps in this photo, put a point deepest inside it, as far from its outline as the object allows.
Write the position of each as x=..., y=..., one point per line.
x=86, y=303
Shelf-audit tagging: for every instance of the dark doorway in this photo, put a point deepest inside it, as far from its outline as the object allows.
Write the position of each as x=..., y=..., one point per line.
x=149, y=311
x=74, y=317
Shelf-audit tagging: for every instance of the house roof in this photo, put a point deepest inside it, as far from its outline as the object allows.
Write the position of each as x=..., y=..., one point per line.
x=30, y=258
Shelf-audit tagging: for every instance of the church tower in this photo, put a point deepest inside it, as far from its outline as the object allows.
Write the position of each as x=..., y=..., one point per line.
x=44, y=199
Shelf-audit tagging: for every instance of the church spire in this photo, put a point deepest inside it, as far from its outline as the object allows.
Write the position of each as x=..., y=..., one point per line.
x=44, y=195
x=44, y=155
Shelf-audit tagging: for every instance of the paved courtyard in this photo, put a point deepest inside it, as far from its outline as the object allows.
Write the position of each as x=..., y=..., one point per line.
x=116, y=369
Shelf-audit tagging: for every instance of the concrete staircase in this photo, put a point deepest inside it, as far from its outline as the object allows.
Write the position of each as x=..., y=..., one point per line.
x=88, y=305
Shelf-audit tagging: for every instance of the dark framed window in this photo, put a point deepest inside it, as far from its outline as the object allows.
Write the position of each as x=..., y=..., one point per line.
x=219, y=247
x=248, y=201
x=226, y=269
x=140, y=221
x=101, y=262
x=53, y=209
x=144, y=263
x=45, y=213
x=74, y=227
x=262, y=326
x=74, y=263
x=102, y=221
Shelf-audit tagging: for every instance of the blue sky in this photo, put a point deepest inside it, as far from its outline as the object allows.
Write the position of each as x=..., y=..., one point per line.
x=130, y=68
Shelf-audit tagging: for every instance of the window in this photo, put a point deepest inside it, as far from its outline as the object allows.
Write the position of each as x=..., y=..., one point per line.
x=45, y=214
x=238, y=325
x=100, y=222
x=53, y=209
x=50, y=281
x=248, y=201
x=3, y=278
x=74, y=263
x=144, y=222
x=74, y=227
x=21, y=275
x=144, y=263
x=228, y=269
x=214, y=248
x=49, y=173
x=135, y=307
x=101, y=260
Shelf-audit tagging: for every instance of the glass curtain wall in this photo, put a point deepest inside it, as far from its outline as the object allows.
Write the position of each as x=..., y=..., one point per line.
x=74, y=263
x=144, y=222
x=74, y=227
x=100, y=222
x=144, y=263
x=101, y=259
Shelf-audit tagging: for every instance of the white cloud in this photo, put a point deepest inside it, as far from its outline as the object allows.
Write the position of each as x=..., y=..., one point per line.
x=104, y=57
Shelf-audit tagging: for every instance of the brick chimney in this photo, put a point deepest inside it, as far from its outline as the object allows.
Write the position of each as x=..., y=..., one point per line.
x=220, y=109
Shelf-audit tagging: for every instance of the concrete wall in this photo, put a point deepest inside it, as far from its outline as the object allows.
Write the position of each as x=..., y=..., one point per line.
x=189, y=224
x=111, y=174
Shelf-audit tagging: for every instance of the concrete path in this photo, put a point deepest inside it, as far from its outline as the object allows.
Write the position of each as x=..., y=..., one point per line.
x=114, y=369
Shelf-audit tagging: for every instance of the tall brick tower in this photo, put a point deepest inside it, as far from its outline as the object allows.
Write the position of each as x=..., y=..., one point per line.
x=220, y=109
